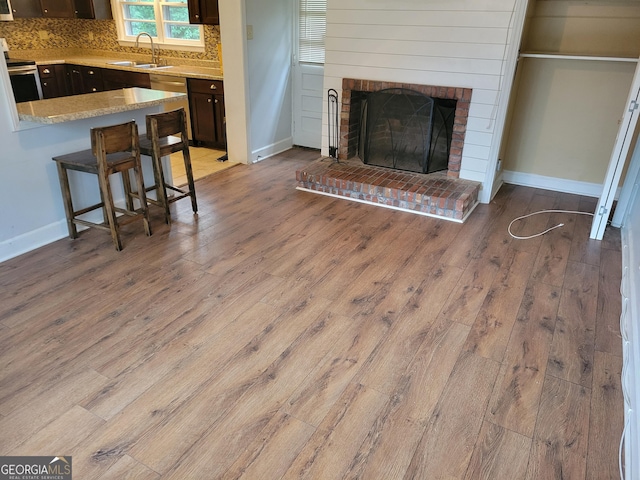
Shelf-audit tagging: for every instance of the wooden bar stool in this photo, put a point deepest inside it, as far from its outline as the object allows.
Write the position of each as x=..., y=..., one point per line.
x=167, y=134
x=113, y=149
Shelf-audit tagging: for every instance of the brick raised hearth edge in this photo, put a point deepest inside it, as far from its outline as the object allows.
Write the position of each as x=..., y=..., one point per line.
x=434, y=195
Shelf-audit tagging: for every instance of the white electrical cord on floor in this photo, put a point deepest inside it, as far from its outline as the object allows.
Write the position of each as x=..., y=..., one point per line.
x=548, y=229
x=620, y=449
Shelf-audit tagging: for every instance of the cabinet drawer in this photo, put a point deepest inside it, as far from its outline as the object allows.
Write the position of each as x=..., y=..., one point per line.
x=198, y=85
x=116, y=79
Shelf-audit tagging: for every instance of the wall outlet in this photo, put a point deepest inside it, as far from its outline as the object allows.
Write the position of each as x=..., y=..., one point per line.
x=90, y=35
x=499, y=165
x=43, y=34
x=249, y=32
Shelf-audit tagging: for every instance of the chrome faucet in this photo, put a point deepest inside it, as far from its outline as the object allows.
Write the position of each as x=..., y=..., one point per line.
x=154, y=55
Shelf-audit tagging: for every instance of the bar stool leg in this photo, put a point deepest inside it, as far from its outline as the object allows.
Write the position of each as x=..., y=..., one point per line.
x=126, y=185
x=143, y=197
x=66, y=199
x=186, y=155
x=105, y=186
x=161, y=189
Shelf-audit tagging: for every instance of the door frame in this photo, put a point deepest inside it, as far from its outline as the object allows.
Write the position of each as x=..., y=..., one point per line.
x=618, y=159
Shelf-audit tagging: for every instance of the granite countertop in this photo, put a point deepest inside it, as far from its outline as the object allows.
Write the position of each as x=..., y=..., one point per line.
x=77, y=107
x=178, y=70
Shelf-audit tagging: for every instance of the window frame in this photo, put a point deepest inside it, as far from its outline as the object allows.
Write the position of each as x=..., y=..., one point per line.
x=306, y=45
x=160, y=40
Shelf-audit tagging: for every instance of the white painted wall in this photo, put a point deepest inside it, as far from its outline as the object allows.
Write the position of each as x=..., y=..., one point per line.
x=233, y=36
x=459, y=43
x=269, y=73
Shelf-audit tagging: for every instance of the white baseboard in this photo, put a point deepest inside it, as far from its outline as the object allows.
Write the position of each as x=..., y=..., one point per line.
x=15, y=246
x=271, y=150
x=552, y=183
x=31, y=240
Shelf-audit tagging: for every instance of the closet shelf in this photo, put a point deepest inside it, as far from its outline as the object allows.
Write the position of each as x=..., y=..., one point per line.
x=561, y=56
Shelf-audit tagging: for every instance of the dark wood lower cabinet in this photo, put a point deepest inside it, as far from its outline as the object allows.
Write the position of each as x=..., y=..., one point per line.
x=53, y=79
x=83, y=79
x=59, y=80
x=206, y=104
x=115, y=79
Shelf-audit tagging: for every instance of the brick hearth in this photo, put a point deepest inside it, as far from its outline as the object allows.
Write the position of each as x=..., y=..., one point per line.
x=435, y=194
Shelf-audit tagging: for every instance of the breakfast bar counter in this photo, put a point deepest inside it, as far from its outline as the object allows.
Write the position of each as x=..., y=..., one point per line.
x=90, y=105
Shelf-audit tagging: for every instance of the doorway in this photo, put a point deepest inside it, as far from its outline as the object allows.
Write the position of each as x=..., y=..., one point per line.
x=308, y=72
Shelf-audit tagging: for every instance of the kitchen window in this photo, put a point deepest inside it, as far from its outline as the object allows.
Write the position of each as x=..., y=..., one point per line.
x=166, y=21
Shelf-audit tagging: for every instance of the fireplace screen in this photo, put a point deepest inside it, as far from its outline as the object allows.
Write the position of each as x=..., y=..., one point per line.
x=406, y=130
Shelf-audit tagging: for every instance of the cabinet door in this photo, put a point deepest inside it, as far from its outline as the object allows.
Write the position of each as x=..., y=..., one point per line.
x=57, y=8
x=26, y=8
x=201, y=106
x=92, y=79
x=84, y=9
x=93, y=9
x=219, y=120
x=53, y=80
x=74, y=80
x=194, y=11
x=204, y=11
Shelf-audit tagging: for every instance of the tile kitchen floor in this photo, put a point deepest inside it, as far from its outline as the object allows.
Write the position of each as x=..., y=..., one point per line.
x=204, y=161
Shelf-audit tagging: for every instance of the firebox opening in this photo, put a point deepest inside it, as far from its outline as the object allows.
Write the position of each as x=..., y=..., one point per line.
x=406, y=130
x=356, y=91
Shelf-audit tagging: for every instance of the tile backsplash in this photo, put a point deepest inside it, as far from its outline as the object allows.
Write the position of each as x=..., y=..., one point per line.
x=95, y=35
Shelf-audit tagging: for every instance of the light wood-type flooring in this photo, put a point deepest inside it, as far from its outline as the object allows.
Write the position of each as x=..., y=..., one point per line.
x=284, y=335
x=204, y=162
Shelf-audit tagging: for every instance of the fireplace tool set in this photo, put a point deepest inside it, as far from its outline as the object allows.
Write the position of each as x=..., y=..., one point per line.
x=332, y=109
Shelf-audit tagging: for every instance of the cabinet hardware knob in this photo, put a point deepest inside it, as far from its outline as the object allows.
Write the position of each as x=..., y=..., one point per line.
x=44, y=84
x=94, y=89
x=208, y=100
x=216, y=100
x=46, y=71
x=213, y=87
x=90, y=72
x=197, y=16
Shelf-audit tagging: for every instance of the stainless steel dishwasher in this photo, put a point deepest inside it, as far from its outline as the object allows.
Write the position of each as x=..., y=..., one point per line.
x=170, y=83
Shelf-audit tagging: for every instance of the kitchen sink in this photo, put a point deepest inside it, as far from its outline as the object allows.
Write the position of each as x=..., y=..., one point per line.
x=145, y=65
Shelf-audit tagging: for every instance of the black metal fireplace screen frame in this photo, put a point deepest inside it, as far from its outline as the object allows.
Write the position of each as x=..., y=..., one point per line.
x=406, y=130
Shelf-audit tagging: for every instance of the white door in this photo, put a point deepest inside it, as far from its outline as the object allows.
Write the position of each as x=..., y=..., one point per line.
x=308, y=72
x=307, y=105
x=618, y=158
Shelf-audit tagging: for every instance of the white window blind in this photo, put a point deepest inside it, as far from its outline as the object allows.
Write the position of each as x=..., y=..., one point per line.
x=313, y=28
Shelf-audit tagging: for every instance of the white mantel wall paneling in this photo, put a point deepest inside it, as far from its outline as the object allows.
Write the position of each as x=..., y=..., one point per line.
x=456, y=43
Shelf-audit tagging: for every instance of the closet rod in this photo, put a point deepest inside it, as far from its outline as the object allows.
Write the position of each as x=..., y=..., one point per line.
x=559, y=56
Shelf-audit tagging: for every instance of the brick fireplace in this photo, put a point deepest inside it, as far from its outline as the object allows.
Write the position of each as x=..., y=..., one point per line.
x=354, y=92
x=442, y=194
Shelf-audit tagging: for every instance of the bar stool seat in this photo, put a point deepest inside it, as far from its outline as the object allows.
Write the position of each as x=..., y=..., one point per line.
x=114, y=149
x=167, y=134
